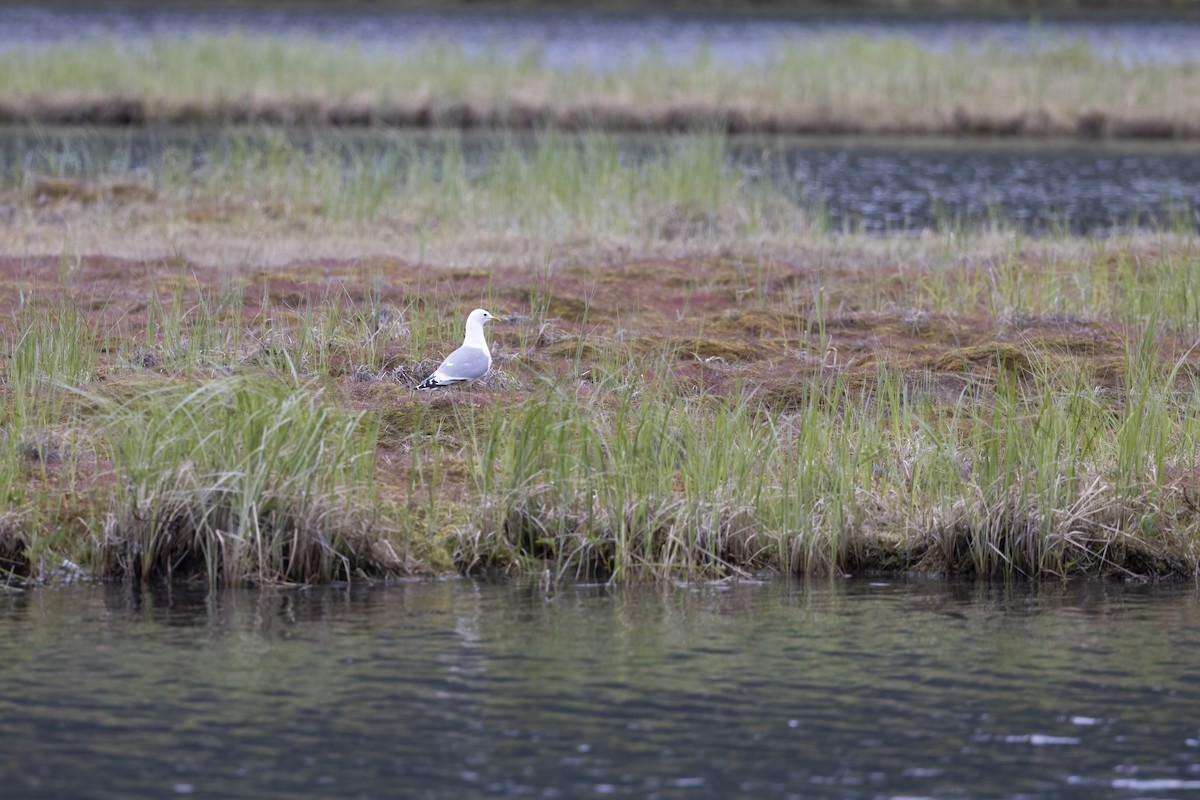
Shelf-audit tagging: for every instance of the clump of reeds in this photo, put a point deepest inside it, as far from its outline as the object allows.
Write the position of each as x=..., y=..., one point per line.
x=240, y=480
x=1028, y=473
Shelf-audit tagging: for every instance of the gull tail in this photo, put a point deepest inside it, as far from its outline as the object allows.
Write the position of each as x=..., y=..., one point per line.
x=436, y=382
x=429, y=383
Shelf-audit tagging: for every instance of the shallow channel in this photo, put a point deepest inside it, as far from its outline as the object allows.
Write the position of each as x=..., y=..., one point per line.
x=458, y=689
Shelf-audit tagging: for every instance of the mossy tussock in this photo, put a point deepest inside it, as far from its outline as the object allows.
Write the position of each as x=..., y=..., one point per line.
x=991, y=356
x=407, y=420
x=758, y=322
x=699, y=348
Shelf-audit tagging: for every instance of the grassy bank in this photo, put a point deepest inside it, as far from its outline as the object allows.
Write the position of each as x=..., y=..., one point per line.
x=845, y=84
x=208, y=374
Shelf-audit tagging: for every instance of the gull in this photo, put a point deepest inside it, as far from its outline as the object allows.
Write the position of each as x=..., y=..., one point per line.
x=468, y=362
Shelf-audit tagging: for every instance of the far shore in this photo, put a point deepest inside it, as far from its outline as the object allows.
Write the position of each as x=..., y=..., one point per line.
x=840, y=85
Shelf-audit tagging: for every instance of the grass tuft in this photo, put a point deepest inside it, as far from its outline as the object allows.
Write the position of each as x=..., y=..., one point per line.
x=241, y=481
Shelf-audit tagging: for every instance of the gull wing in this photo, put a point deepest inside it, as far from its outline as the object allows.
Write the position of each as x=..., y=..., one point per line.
x=464, y=364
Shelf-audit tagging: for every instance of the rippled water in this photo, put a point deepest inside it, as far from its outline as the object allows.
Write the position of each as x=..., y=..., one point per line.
x=581, y=38
x=902, y=186
x=458, y=689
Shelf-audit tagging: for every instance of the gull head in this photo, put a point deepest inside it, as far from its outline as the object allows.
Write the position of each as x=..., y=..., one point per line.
x=475, y=322
x=479, y=317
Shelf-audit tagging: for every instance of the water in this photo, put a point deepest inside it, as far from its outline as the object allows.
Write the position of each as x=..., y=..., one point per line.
x=457, y=689
x=578, y=38
x=1036, y=187
x=892, y=186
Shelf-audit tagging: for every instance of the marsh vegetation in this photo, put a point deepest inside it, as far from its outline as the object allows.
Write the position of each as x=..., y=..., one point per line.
x=207, y=375
x=834, y=84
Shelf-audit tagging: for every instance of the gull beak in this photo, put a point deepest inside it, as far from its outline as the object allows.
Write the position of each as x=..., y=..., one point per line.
x=496, y=319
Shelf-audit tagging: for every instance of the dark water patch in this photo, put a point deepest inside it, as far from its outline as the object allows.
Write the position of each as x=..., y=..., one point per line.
x=935, y=184
x=567, y=38
x=852, y=689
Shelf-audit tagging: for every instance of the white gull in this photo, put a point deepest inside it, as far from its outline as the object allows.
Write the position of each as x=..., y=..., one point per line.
x=467, y=363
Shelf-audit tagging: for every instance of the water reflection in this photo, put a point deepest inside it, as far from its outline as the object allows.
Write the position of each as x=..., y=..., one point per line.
x=463, y=689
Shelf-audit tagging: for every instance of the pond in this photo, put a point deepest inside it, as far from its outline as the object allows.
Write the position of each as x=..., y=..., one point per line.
x=567, y=38
x=849, y=688
x=897, y=186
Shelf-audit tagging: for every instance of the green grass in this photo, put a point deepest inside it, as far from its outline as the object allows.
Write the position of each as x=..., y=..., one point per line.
x=241, y=480
x=266, y=477
x=856, y=83
x=546, y=188
x=246, y=418
x=546, y=192
x=1023, y=475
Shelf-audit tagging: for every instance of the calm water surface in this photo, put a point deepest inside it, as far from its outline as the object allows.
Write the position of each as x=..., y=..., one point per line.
x=575, y=38
x=459, y=689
